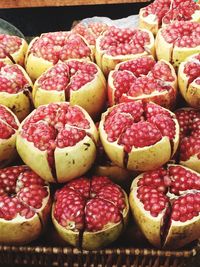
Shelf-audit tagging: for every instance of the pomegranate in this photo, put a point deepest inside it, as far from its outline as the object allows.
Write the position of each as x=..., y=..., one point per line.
x=116, y=45
x=90, y=31
x=12, y=49
x=177, y=41
x=166, y=205
x=163, y=12
x=189, y=80
x=139, y=136
x=90, y=213
x=15, y=87
x=143, y=78
x=57, y=141
x=150, y=17
x=81, y=83
x=189, y=151
x=46, y=50
x=24, y=205
x=8, y=131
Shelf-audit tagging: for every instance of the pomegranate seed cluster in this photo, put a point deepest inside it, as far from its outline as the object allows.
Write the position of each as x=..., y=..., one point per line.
x=9, y=45
x=90, y=31
x=12, y=79
x=189, y=121
x=136, y=125
x=22, y=193
x=192, y=69
x=8, y=123
x=182, y=34
x=89, y=204
x=72, y=75
x=57, y=46
x=118, y=41
x=175, y=187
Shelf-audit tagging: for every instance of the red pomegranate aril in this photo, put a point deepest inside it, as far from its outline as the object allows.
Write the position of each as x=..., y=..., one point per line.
x=82, y=185
x=9, y=44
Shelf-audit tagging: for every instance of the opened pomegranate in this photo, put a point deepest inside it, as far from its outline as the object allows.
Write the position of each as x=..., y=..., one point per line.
x=90, y=213
x=189, y=80
x=91, y=31
x=46, y=50
x=163, y=12
x=117, y=45
x=177, y=41
x=79, y=82
x=139, y=136
x=12, y=49
x=143, y=78
x=189, y=151
x=166, y=205
x=8, y=132
x=57, y=141
x=15, y=87
x=24, y=205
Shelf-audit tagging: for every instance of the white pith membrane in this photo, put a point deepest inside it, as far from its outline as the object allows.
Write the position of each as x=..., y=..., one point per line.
x=58, y=141
x=143, y=78
x=166, y=205
x=139, y=136
x=189, y=80
x=15, y=89
x=12, y=49
x=175, y=42
x=76, y=81
x=189, y=147
x=50, y=48
x=90, y=212
x=163, y=12
x=24, y=205
x=116, y=45
x=8, y=132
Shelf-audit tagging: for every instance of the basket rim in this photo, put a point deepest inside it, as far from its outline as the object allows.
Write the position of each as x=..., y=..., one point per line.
x=54, y=250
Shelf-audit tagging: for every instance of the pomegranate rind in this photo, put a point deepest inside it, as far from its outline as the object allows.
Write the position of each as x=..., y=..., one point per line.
x=8, y=146
x=107, y=62
x=19, y=103
x=190, y=91
x=19, y=56
x=81, y=155
x=150, y=226
x=172, y=53
x=94, y=240
x=163, y=98
x=140, y=159
x=20, y=230
x=76, y=160
x=91, y=96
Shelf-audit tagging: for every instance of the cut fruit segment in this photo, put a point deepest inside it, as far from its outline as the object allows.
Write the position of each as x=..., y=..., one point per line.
x=143, y=78
x=189, y=151
x=139, y=136
x=24, y=205
x=90, y=213
x=81, y=83
x=177, y=41
x=50, y=48
x=117, y=45
x=58, y=141
x=189, y=80
x=166, y=205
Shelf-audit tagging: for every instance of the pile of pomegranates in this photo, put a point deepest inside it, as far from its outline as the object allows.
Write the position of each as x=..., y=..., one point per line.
x=89, y=112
